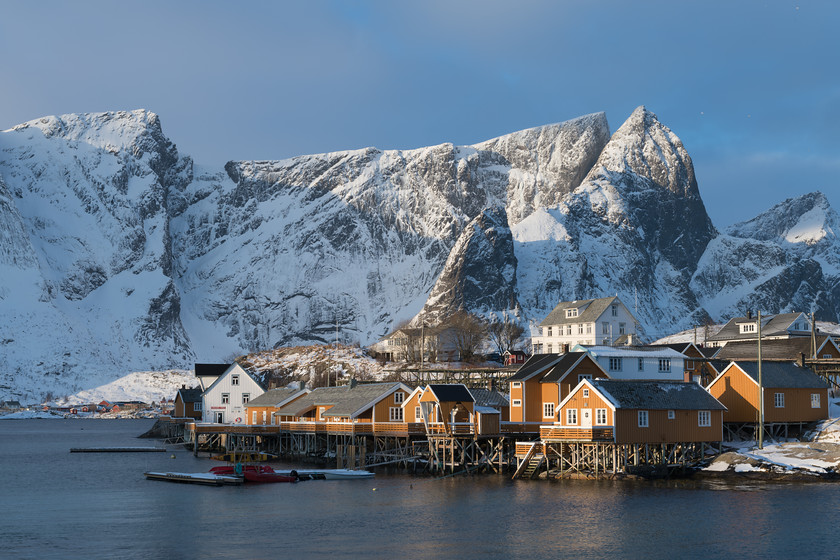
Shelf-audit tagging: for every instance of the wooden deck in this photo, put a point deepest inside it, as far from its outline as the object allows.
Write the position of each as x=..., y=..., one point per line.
x=571, y=433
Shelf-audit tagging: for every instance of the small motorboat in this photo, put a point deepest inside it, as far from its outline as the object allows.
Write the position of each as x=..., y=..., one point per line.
x=231, y=469
x=210, y=479
x=254, y=476
x=330, y=474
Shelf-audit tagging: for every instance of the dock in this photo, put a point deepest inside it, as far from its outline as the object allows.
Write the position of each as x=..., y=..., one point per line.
x=117, y=449
x=207, y=479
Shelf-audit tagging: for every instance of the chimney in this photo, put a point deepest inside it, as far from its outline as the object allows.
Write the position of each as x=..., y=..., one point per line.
x=749, y=313
x=301, y=385
x=352, y=382
x=801, y=360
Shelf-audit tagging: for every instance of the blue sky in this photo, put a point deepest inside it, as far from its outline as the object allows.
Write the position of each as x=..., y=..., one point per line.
x=751, y=88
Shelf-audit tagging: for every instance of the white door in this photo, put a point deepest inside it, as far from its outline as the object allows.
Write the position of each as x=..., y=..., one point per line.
x=586, y=418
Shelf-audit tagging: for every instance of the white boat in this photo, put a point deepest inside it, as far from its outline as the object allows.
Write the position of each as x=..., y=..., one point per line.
x=329, y=474
x=194, y=478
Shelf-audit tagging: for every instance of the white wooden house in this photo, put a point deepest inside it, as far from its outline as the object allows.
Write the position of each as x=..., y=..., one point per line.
x=223, y=402
x=638, y=362
x=590, y=321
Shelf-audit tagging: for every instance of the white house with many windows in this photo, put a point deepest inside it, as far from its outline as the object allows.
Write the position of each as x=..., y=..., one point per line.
x=589, y=321
x=223, y=402
x=638, y=362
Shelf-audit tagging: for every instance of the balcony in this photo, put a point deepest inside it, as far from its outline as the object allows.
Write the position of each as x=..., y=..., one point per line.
x=573, y=433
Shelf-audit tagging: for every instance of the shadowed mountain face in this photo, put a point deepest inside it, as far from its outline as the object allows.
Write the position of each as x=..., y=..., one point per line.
x=120, y=254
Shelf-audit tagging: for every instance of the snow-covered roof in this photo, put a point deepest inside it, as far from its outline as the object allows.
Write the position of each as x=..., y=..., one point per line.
x=589, y=310
x=631, y=351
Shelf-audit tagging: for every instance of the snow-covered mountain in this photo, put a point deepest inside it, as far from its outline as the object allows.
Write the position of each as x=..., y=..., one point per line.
x=120, y=254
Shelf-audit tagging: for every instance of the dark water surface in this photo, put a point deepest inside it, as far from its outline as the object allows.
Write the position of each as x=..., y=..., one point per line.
x=54, y=504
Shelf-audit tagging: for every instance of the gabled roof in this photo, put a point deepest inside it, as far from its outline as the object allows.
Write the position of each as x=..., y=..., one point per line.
x=655, y=395
x=786, y=349
x=451, y=393
x=210, y=370
x=771, y=325
x=589, y=310
x=489, y=398
x=234, y=366
x=347, y=400
x=275, y=397
x=631, y=351
x=534, y=365
x=779, y=375
x=559, y=370
x=190, y=395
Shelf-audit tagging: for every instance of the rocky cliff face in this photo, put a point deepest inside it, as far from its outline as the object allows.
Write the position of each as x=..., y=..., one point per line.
x=120, y=254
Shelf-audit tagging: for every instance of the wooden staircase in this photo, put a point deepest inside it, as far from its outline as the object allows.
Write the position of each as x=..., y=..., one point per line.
x=531, y=463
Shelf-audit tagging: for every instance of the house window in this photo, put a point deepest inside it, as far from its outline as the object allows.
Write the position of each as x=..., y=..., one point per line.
x=254, y=417
x=583, y=376
x=548, y=331
x=418, y=414
x=641, y=364
x=664, y=365
x=549, y=348
x=671, y=415
x=589, y=328
x=398, y=397
x=572, y=312
x=621, y=328
x=689, y=364
x=580, y=328
x=615, y=364
x=600, y=416
x=643, y=418
x=615, y=311
x=516, y=385
x=395, y=414
x=571, y=416
x=747, y=328
x=585, y=393
x=779, y=400
x=548, y=410
x=704, y=418
x=516, y=402
x=815, y=400
x=197, y=407
x=605, y=328
x=569, y=329
x=234, y=379
x=225, y=398
x=827, y=356
x=264, y=415
x=246, y=397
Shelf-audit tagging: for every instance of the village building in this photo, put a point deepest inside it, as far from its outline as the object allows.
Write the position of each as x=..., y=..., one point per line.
x=404, y=344
x=188, y=403
x=781, y=349
x=590, y=321
x=262, y=410
x=696, y=362
x=638, y=362
x=792, y=395
x=358, y=403
x=223, y=402
x=543, y=381
x=780, y=326
x=515, y=357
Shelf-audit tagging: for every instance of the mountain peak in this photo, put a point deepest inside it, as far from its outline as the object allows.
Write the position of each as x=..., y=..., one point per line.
x=806, y=219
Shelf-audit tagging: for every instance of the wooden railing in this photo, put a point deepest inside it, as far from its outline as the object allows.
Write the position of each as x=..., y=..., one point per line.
x=524, y=448
x=398, y=428
x=600, y=433
x=520, y=427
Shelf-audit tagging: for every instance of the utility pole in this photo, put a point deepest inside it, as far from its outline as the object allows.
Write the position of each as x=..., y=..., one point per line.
x=760, y=391
x=813, y=338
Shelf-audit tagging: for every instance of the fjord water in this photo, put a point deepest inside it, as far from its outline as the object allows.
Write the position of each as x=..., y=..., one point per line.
x=61, y=505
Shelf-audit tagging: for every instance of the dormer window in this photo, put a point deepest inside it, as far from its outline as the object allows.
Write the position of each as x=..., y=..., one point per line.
x=747, y=328
x=573, y=312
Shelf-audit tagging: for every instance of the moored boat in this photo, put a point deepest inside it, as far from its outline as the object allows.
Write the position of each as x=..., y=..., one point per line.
x=331, y=474
x=210, y=479
x=265, y=476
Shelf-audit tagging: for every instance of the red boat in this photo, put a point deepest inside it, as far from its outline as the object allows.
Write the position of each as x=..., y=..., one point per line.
x=231, y=469
x=253, y=476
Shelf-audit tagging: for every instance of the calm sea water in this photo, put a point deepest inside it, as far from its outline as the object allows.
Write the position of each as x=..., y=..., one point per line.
x=61, y=505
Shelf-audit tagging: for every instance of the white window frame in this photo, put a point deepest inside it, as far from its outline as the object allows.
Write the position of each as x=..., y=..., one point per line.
x=779, y=400
x=664, y=365
x=549, y=348
x=571, y=417
x=234, y=379
x=605, y=328
x=568, y=330
x=516, y=385
x=548, y=331
x=516, y=402
x=600, y=416
x=671, y=415
x=253, y=417
x=585, y=393
x=815, y=400
x=395, y=414
x=418, y=414
x=644, y=419
x=704, y=418
x=689, y=365
x=827, y=356
x=246, y=397
x=582, y=376
x=197, y=407
x=573, y=312
x=615, y=364
x=399, y=397
x=580, y=328
x=548, y=410
x=225, y=398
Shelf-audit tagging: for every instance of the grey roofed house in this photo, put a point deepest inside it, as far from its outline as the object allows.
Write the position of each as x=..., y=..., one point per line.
x=655, y=395
x=782, y=375
x=489, y=398
x=779, y=325
x=276, y=397
x=780, y=349
x=589, y=310
x=534, y=365
x=345, y=401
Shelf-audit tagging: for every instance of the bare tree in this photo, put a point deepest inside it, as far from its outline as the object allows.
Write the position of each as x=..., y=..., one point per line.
x=505, y=334
x=468, y=331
